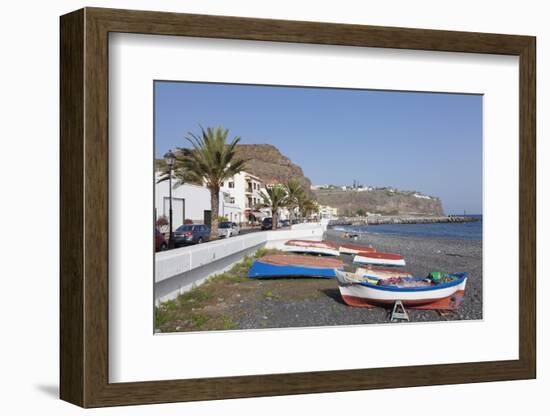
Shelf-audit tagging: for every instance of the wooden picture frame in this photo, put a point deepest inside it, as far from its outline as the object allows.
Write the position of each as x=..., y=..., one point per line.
x=84, y=207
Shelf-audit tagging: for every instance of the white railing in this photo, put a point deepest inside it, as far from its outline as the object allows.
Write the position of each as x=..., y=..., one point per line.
x=178, y=270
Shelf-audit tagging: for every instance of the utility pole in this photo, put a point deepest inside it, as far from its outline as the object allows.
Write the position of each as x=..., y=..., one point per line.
x=170, y=159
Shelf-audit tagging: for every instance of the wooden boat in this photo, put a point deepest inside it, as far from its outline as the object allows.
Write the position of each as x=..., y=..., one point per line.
x=376, y=273
x=415, y=292
x=326, y=248
x=382, y=259
x=354, y=249
x=277, y=265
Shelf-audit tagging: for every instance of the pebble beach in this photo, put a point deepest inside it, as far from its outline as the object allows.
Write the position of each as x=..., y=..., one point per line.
x=423, y=255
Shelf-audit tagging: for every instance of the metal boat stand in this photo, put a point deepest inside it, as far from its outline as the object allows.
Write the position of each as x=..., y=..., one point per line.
x=399, y=313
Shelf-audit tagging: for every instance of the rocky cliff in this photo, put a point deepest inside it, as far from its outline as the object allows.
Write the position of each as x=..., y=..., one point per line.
x=379, y=201
x=267, y=162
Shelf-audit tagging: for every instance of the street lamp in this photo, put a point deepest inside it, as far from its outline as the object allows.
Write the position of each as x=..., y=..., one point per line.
x=170, y=159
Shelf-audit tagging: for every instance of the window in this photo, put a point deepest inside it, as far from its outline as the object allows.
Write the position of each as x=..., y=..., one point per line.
x=232, y=200
x=231, y=184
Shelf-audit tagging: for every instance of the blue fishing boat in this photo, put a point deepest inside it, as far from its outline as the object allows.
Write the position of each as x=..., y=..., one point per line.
x=295, y=266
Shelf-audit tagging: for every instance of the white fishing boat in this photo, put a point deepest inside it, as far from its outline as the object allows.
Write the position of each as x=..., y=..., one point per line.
x=354, y=249
x=381, y=259
x=325, y=248
x=411, y=291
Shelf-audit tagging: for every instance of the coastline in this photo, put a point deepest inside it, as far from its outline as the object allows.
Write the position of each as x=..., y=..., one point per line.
x=405, y=219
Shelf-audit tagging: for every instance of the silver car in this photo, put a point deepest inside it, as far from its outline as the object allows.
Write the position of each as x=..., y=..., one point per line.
x=228, y=229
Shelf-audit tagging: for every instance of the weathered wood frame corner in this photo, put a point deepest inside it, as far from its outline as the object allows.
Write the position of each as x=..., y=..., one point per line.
x=84, y=207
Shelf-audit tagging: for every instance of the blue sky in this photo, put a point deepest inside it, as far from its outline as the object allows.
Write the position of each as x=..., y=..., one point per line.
x=426, y=142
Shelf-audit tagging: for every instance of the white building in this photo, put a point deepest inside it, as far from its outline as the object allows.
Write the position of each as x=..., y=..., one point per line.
x=242, y=194
x=327, y=212
x=189, y=201
x=422, y=196
x=315, y=187
x=364, y=189
x=238, y=196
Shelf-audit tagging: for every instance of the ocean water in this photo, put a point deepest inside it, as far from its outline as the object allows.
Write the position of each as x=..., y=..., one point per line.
x=448, y=231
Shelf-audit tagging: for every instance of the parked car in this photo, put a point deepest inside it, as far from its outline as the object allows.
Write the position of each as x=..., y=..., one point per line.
x=160, y=241
x=284, y=223
x=191, y=234
x=267, y=223
x=228, y=229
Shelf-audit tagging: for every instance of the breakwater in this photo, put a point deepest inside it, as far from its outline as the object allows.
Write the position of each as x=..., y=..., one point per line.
x=397, y=219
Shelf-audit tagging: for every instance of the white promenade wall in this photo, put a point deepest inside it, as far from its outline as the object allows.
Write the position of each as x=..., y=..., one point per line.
x=178, y=270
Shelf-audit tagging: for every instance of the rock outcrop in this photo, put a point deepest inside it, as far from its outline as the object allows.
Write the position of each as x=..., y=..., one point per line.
x=379, y=201
x=268, y=163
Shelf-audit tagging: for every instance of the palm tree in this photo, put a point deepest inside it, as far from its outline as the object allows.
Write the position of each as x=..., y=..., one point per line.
x=309, y=207
x=294, y=193
x=302, y=204
x=274, y=197
x=210, y=162
x=179, y=174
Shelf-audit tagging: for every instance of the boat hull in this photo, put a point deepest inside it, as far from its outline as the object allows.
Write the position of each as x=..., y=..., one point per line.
x=449, y=303
x=311, y=250
x=324, y=248
x=380, y=259
x=364, y=294
x=355, y=249
x=294, y=266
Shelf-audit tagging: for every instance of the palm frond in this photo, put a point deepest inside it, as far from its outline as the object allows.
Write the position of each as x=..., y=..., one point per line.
x=295, y=192
x=274, y=197
x=211, y=158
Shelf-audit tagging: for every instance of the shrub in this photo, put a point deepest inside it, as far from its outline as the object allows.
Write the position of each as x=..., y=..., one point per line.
x=161, y=221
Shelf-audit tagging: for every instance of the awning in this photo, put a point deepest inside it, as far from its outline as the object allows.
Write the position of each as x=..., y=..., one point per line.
x=258, y=214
